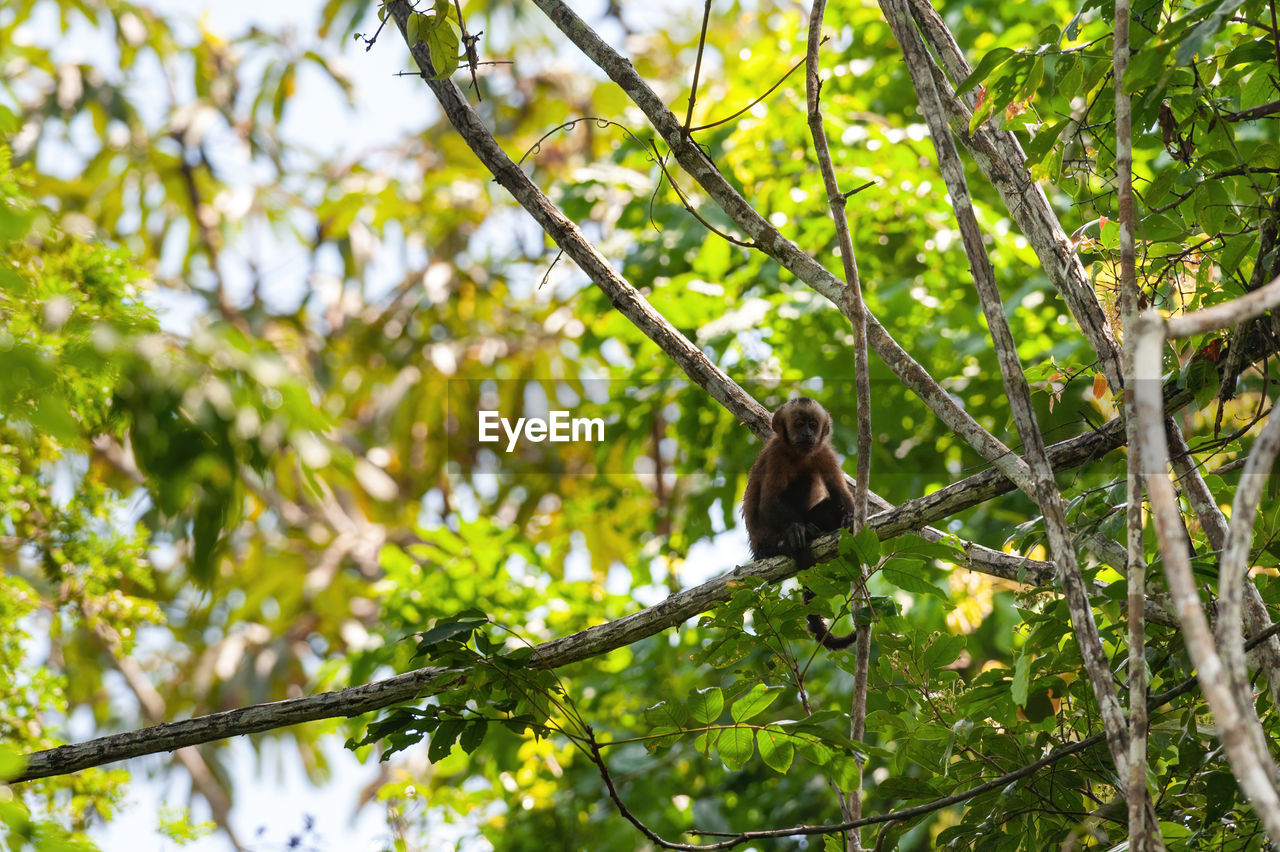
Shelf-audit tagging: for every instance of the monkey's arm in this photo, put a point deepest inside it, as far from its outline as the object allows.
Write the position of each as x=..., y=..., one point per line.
x=837, y=486
x=792, y=525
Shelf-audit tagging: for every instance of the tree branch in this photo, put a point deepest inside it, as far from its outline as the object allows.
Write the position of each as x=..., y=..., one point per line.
x=1044, y=489
x=1238, y=727
x=853, y=308
x=1002, y=161
x=769, y=240
x=356, y=700
x=1144, y=833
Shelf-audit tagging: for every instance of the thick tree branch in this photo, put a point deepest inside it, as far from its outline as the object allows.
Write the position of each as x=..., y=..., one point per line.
x=357, y=700
x=1234, y=722
x=1256, y=619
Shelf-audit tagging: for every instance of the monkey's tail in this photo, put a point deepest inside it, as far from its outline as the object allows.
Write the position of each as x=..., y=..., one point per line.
x=818, y=627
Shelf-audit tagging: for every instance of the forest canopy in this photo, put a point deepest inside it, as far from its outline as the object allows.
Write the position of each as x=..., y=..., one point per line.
x=391, y=377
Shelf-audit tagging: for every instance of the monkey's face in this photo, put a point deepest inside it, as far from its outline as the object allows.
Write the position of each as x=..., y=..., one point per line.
x=804, y=431
x=803, y=424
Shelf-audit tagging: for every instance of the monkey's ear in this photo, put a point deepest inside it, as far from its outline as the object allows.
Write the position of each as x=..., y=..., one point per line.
x=780, y=423
x=826, y=425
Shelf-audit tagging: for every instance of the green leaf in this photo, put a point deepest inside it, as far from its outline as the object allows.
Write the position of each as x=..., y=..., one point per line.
x=1212, y=204
x=417, y=24
x=943, y=651
x=866, y=546
x=443, y=739
x=843, y=770
x=815, y=752
x=896, y=571
x=736, y=745
x=1210, y=25
x=705, y=705
x=1201, y=378
x=1034, y=77
x=945, y=549
x=666, y=713
x=442, y=43
x=444, y=630
x=989, y=63
x=1046, y=138
x=1145, y=70
x=776, y=749
x=754, y=702
x=1021, y=679
x=473, y=735
x=663, y=736
x=1234, y=251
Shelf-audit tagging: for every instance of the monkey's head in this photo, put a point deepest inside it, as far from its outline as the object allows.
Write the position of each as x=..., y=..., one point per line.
x=802, y=423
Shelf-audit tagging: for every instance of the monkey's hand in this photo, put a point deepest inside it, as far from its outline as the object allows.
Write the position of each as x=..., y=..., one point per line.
x=796, y=538
x=846, y=519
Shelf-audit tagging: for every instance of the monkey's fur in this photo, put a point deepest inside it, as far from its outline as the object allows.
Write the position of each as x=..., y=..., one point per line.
x=796, y=491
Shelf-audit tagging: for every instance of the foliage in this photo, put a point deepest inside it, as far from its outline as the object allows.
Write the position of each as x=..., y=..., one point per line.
x=254, y=479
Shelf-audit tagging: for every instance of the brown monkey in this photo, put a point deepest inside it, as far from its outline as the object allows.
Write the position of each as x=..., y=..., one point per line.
x=797, y=491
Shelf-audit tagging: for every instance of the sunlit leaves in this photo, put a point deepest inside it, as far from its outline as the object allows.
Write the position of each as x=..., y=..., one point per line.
x=281, y=435
x=705, y=705
x=756, y=701
x=438, y=33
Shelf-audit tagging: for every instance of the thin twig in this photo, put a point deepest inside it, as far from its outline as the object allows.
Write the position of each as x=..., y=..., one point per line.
x=854, y=309
x=744, y=110
x=697, y=64
x=1145, y=837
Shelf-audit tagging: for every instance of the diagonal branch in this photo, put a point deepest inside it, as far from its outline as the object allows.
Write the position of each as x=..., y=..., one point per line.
x=769, y=240
x=357, y=700
x=1002, y=161
x=1045, y=490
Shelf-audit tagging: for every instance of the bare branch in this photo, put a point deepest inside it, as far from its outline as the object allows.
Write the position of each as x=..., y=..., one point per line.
x=1002, y=161
x=1233, y=722
x=769, y=240
x=1214, y=524
x=357, y=700
x=1045, y=491
x=1144, y=834
x=1233, y=570
x=697, y=65
x=853, y=308
x=1238, y=310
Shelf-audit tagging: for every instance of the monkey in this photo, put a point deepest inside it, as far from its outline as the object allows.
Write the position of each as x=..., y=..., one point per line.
x=796, y=491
